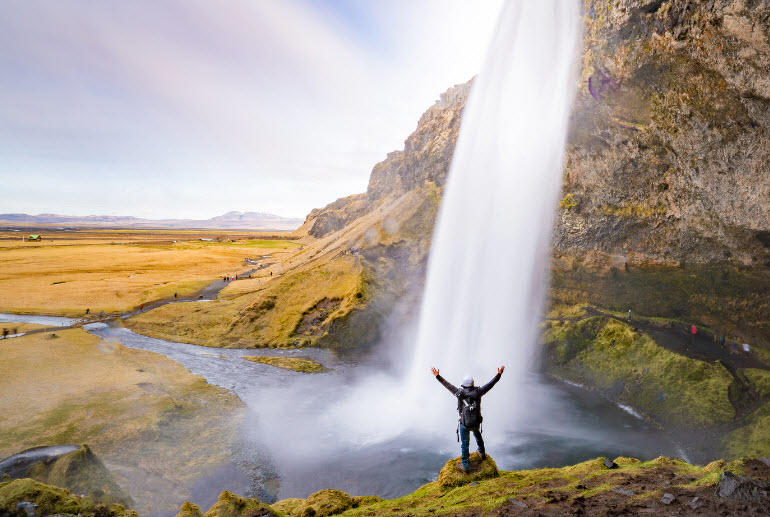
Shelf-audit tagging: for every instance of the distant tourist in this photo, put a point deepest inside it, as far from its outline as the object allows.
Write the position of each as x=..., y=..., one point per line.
x=175, y=295
x=629, y=315
x=88, y=311
x=693, y=330
x=5, y=333
x=469, y=409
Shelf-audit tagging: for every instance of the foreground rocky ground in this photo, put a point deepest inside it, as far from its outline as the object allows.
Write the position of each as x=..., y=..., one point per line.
x=623, y=486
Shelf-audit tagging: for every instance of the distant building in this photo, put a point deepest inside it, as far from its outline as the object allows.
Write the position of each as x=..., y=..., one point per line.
x=35, y=237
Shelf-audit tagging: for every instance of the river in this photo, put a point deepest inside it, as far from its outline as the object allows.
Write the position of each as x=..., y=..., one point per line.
x=291, y=447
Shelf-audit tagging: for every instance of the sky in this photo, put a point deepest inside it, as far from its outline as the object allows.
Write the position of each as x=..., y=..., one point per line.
x=192, y=108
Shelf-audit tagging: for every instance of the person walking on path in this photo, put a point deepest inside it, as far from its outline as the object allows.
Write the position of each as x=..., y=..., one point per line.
x=629, y=315
x=469, y=410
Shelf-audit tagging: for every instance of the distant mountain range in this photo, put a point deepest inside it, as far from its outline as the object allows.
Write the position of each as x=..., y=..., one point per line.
x=228, y=221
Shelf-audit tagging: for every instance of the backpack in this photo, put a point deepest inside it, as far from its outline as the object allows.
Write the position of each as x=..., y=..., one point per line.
x=470, y=412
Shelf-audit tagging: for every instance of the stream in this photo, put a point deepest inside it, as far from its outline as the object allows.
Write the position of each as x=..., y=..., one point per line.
x=289, y=448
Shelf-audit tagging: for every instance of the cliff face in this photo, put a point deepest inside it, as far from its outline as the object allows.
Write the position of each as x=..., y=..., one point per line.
x=668, y=157
x=425, y=159
x=668, y=152
x=667, y=163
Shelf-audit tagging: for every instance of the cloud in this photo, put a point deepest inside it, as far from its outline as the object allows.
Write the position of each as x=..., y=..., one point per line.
x=193, y=108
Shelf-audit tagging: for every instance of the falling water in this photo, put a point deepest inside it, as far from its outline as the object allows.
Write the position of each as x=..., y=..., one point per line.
x=486, y=275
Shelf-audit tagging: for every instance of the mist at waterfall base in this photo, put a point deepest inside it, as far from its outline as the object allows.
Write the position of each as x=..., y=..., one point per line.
x=386, y=429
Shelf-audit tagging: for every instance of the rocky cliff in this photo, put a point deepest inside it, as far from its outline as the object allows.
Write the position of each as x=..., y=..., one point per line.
x=667, y=165
x=668, y=155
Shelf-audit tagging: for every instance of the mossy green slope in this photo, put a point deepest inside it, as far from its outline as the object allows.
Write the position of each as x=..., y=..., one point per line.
x=610, y=356
x=52, y=500
x=231, y=505
x=590, y=486
x=81, y=472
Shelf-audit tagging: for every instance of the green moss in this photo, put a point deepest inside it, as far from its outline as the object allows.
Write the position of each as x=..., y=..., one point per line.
x=287, y=506
x=753, y=439
x=452, y=475
x=733, y=300
x=760, y=379
x=288, y=363
x=568, y=202
x=607, y=354
x=53, y=500
x=325, y=502
x=539, y=487
x=189, y=509
x=230, y=505
x=81, y=472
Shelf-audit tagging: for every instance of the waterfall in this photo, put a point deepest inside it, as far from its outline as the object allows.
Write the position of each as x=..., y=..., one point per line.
x=487, y=268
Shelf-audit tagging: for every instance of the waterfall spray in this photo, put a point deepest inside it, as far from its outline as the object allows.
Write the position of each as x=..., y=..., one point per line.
x=487, y=270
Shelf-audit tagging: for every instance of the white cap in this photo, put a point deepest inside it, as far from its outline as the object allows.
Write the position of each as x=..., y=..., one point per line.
x=467, y=381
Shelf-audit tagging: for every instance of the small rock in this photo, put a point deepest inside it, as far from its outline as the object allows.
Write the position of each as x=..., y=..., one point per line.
x=475, y=483
x=517, y=503
x=766, y=461
x=609, y=463
x=695, y=503
x=581, y=486
x=28, y=507
x=623, y=491
x=742, y=488
x=667, y=498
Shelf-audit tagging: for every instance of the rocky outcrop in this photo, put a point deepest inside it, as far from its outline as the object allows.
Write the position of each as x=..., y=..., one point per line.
x=425, y=159
x=667, y=165
x=668, y=157
x=74, y=467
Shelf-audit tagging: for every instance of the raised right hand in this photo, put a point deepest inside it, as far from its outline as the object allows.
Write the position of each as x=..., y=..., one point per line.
x=434, y=371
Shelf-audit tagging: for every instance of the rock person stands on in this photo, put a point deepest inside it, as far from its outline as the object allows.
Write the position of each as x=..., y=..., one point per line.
x=469, y=409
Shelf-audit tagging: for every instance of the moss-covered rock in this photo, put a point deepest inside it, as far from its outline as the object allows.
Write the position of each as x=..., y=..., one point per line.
x=287, y=506
x=452, y=475
x=288, y=363
x=52, y=500
x=79, y=471
x=630, y=367
x=324, y=502
x=230, y=505
x=189, y=509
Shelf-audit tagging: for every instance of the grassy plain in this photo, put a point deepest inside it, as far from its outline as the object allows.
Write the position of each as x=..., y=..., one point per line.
x=116, y=271
x=20, y=327
x=156, y=426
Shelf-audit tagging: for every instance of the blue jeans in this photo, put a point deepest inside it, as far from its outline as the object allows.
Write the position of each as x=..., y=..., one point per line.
x=465, y=440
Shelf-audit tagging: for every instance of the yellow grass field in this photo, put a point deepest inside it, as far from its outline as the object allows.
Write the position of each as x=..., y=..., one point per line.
x=266, y=316
x=18, y=327
x=83, y=272
x=153, y=423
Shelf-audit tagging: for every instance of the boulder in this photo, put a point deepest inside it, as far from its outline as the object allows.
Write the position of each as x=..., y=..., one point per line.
x=667, y=498
x=609, y=463
x=742, y=488
x=189, y=509
x=452, y=474
x=230, y=505
x=323, y=503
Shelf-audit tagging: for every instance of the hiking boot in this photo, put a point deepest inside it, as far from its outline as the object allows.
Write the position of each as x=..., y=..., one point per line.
x=464, y=470
x=483, y=455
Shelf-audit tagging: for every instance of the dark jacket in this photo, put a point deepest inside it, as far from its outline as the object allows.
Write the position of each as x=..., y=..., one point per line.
x=470, y=394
